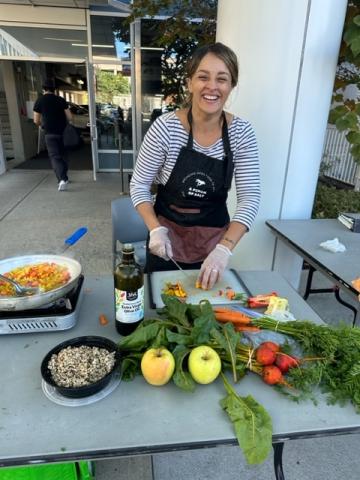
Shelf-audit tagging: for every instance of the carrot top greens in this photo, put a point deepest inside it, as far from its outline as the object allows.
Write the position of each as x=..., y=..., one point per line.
x=337, y=373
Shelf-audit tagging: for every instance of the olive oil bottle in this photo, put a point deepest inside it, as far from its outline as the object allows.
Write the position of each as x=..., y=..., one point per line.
x=129, y=292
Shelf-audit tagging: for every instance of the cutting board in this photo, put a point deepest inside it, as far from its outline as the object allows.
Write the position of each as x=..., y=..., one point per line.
x=158, y=280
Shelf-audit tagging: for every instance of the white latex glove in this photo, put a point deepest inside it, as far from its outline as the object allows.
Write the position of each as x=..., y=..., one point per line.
x=213, y=266
x=160, y=244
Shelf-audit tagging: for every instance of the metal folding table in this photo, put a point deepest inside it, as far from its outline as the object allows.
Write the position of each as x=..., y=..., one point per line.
x=136, y=418
x=305, y=236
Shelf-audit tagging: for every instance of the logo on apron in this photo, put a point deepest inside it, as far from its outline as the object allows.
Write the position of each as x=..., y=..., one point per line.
x=197, y=185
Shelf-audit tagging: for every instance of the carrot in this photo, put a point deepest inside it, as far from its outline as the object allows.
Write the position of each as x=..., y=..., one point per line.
x=247, y=328
x=233, y=317
x=103, y=320
x=230, y=294
x=223, y=309
x=218, y=309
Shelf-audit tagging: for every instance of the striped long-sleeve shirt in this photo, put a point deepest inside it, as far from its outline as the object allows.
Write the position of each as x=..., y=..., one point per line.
x=161, y=147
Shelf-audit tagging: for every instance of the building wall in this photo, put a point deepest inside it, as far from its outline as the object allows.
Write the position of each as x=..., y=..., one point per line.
x=17, y=88
x=40, y=15
x=288, y=54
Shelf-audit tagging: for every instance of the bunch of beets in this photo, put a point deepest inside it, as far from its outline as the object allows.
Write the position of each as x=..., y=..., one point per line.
x=275, y=363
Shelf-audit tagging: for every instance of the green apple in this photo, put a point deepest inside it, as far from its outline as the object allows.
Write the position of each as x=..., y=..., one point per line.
x=157, y=366
x=204, y=364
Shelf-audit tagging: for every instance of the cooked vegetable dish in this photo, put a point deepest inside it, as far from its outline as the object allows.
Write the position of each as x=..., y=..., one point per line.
x=47, y=276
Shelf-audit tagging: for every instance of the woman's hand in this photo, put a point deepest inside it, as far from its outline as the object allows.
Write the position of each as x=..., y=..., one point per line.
x=213, y=266
x=160, y=244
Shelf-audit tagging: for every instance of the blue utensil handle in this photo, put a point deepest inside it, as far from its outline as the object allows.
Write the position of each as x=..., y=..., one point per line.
x=75, y=236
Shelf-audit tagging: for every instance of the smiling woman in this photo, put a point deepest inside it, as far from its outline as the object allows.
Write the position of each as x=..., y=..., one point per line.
x=192, y=155
x=211, y=76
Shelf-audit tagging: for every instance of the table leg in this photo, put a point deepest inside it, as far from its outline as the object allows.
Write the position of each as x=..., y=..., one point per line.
x=278, y=468
x=308, y=282
x=308, y=288
x=340, y=300
x=335, y=289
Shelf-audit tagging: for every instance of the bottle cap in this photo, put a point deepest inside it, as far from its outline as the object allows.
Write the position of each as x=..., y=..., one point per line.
x=128, y=248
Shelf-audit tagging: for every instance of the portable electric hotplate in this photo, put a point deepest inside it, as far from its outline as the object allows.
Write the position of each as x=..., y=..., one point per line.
x=59, y=315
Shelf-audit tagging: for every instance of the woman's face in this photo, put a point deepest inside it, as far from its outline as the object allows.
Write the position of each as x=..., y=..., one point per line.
x=210, y=85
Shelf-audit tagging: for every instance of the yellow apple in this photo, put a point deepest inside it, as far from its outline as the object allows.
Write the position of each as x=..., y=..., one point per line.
x=157, y=366
x=204, y=364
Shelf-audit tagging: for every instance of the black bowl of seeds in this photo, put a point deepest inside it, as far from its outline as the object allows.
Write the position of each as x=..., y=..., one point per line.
x=81, y=366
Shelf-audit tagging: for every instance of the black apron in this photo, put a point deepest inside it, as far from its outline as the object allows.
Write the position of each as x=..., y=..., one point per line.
x=192, y=204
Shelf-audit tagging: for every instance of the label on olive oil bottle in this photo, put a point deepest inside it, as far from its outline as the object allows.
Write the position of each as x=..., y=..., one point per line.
x=129, y=306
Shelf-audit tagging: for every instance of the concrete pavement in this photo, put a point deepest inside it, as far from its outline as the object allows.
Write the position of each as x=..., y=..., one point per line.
x=36, y=218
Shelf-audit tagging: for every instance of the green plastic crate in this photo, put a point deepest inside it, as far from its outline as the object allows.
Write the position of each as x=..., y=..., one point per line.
x=60, y=471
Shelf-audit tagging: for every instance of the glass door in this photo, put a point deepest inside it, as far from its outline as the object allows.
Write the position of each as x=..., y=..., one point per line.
x=128, y=73
x=112, y=95
x=92, y=116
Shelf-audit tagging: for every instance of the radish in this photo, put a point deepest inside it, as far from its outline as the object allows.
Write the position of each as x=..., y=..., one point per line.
x=272, y=345
x=265, y=356
x=272, y=375
x=285, y=362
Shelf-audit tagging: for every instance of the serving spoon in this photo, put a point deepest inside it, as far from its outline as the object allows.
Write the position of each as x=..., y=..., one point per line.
x=19, y=289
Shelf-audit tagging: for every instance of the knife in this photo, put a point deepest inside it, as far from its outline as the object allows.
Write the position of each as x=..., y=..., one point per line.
x=178, y=266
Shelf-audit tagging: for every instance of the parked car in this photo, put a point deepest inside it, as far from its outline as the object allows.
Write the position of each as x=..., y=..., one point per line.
x=80, y=117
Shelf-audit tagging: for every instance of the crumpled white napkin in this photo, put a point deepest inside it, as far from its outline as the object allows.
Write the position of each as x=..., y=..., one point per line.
x=333, y=246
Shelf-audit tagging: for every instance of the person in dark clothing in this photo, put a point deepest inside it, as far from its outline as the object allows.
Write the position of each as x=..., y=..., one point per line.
x=52, y=113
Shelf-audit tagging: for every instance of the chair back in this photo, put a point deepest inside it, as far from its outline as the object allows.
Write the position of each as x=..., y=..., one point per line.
x=128, y=226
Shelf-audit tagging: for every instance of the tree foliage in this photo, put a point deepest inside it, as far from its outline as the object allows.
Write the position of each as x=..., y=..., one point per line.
x=186, y=24
x=345, y=115
x=109, y=85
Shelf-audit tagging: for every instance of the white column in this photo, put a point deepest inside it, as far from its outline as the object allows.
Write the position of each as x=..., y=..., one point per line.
x=288, y=54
